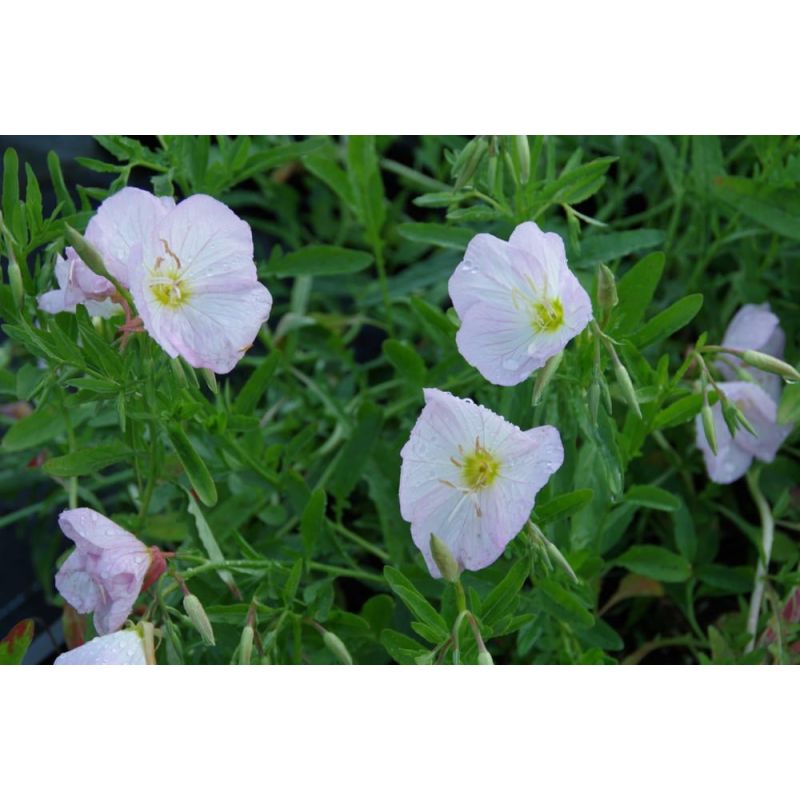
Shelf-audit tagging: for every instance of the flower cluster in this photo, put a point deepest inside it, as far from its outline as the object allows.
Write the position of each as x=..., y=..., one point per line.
x=189, y=268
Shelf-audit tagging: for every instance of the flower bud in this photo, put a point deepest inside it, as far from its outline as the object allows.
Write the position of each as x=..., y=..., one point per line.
x=524, y=158
x=15, y=282
x=770, y=364
x=742, y=420
x=729, y=415
x=708, y=426
x=246, y=645
x=544, y=376
x=210, y=379
x=444, y=559
x=625, y=384
x=87, y=253
x=468, y=162
x=177, y=371
x=485, y=658
x=606, y=289
x=336, y=646
x=197, y=614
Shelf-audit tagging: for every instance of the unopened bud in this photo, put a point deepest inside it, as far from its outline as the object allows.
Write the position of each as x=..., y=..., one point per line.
x=544, y=376
x=625, y=384
x=708, y=426
x=444, y=559
x=15, y=282
x=197, y=614
x=210, y=378
x=729, y=415
x=744, y=422
x=524, y=157
x=336, y=646
x=246, y=645
x=468, y=162
x=177, y=371
x=87, y=253
x=606, y=289
x=485, y=658
x=770, y=364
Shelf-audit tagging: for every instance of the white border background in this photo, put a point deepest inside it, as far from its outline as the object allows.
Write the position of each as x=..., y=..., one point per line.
x=404, y=67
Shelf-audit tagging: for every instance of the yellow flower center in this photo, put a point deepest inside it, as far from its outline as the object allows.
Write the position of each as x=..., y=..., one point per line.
x=480, y=468
x=166, y=281
x=548, y=316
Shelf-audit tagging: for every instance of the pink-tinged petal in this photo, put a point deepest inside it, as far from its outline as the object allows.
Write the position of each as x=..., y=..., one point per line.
x=78, y=285
x=485, y=274
x=122, y=228
x=753, y=327
x=105, y=573
x=546, y=248
x=54, y=302
x=496, y=341
x=121, y=648
x=475, y=520
x=761, y=412
x=730, y=461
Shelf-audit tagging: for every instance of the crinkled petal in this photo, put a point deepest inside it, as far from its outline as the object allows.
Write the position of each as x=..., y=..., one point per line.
x=76, y=585
x=93, y=532
x=122, y=227
x=123, y=647
x=546, y=248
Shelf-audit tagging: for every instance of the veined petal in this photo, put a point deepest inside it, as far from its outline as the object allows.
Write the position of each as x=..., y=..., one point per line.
x=123, y=227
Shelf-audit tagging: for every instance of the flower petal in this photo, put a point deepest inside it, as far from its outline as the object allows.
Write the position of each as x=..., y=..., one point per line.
x=123, y=647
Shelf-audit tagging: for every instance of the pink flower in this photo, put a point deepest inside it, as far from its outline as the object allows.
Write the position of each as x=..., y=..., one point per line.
x=471, y=478
x=197, y=291
x=754, y=328
x=106, y=571
x=736, y=453
x=77, y=284
x=518, y=302
x=122, y=647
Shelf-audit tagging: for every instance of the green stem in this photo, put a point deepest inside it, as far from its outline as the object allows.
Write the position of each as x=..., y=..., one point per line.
x=767, y=537
x=368, y=546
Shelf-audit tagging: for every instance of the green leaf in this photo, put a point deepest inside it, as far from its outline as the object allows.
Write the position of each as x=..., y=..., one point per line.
x=250, y=394
x=367, y=186
x=329, y=172
x=435, y=234
x=403, y=649
x=656, y=562
x=678, y=413
x=209, y=542
x=292, y=582
x=16, y=643
x=415, y=602
x=775, y=208
x=33, y=198
x=736, y=580
x=86, y=461
x=668, y=321
x=789, y=407
x=355, y=453
x=604, y=247
x=635, y=291
x=10, y=186
x=406, y=360
x=195, y=467
x=319, y=260
x=500, y=600
x=652, y=497
x=565, y=505
x=564, y=604
x=57, y=179
x=576, y=185
x=44, y=425
x=312, y=521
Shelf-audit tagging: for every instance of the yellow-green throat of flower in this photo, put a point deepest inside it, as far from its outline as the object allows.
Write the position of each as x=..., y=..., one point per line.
x=548, y=316
x=479, y=469
x=167, y=283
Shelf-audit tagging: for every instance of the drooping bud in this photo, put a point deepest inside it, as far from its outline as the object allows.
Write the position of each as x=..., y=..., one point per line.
x=158, y=566
x=729, y=414
x=607, y=296
x=197, y=614
x=744, y=422
x=708, y=426
x=625, y=383
x=246, y=645
x=336, y=646
x=544, y=376
x=524, y=158
x=444, y=559
x=485, y=658
x=177, y=371
x=770, y=364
